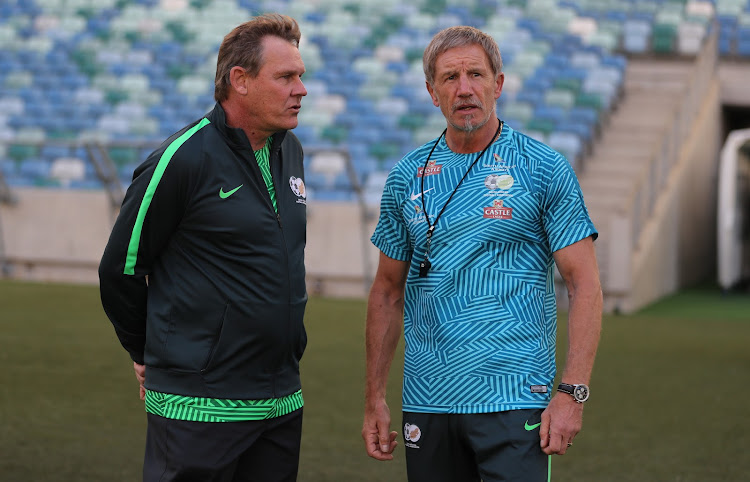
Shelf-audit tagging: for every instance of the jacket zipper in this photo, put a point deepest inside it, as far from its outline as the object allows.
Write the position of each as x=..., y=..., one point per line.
x=283, y=240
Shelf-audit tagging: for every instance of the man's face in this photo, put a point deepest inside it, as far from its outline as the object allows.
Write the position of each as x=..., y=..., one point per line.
x=274, y=97
x=465, y=88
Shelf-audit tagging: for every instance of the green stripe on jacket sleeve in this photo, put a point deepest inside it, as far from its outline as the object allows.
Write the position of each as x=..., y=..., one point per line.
x=161, y=166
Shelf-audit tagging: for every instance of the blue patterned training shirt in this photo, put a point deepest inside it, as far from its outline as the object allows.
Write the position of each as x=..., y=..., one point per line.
x=480, y=328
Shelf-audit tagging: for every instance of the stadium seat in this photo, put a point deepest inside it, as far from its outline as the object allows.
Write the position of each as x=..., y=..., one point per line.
x=8, y=167
x=553, y=114
x=373, y=188
x=521, y=111
x=743, y=48
x=568, y=144
x=545, y=126
x=559, y=97
x=690, y=37
x=34, y=168
x=67, y=170
x=664, y=38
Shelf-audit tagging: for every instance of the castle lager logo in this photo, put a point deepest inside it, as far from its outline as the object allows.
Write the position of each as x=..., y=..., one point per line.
x=498, y=211
x=432, y=169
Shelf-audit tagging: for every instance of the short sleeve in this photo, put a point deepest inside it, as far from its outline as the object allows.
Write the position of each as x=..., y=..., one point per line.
x=391, y=235
x=566, y=218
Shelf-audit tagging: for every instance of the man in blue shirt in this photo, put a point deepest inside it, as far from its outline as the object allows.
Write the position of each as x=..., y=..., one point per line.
x=471, y=226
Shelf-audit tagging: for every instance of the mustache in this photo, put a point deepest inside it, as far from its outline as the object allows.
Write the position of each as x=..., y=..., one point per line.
x=466, y=103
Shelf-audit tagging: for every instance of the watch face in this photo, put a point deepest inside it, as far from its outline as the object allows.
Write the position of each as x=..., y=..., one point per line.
x=581, y=393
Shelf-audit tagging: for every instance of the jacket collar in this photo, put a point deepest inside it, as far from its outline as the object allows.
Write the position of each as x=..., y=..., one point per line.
x=236, y=136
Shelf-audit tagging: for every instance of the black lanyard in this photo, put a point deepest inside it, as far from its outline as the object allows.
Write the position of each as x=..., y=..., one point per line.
x=425, y=265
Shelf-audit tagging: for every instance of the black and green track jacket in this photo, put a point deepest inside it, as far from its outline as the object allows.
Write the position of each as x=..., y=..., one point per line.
x=203, y=281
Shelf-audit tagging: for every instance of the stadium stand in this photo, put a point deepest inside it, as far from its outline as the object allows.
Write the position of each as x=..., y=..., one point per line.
x=139, y=70
x=89, y=87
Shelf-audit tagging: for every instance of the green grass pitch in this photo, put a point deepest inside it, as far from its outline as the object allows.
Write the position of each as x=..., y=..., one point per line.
x=670, y=393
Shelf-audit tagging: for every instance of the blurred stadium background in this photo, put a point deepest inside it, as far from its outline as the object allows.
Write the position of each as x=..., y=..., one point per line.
x=639, y=95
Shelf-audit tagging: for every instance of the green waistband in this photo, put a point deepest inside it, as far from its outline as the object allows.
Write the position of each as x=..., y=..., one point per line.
x=197, y=409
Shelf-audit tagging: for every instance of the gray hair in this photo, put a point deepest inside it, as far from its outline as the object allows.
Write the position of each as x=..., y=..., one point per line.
x=460, y=36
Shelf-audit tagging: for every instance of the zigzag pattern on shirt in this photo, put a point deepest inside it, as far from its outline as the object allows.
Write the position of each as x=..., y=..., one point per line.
x=480, y=328
x=199, y=409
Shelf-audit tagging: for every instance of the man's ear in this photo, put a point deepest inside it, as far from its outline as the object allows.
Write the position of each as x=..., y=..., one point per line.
x=238, y=78
x=499, y=84
x=435, y=100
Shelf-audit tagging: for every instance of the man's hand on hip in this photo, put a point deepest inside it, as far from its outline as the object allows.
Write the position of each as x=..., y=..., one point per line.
x=140, y=374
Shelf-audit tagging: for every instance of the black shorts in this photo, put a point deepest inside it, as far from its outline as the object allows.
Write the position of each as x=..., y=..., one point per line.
x=262, y=450
x=491, y=447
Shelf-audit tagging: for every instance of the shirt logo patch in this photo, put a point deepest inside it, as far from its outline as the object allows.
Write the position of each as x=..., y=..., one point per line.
x=298, y=188
x=499, y=181
x=225, y=195
x=432, y=169
x=498, y=211
x=414, y=197
x=412, y=434
x=498, y=164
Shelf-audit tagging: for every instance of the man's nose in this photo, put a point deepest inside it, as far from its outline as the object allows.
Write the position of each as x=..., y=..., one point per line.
x=464, y=85
x=300, y=89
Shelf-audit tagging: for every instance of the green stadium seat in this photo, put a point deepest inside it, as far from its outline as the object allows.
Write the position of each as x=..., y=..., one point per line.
x=567, y=83
x=382, y=151
x=123, y=155
x=586, y=99
x=541, y=125
x=19, y=152
x=411, y=121
x=664, y=38
x=335, y=134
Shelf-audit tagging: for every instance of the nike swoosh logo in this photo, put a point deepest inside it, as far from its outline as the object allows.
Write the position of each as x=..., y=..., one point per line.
x=531, y=427
x=225, y=195
x=414, y=197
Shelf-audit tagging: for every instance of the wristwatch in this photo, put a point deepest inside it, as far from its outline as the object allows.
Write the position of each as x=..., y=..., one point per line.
x=579, y=392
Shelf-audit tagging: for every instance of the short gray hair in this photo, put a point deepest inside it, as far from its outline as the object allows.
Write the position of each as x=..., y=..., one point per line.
x=460, y=36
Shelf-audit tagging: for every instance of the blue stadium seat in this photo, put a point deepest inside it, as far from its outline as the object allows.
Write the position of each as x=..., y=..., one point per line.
x=34, y=168
x=554, y=114
x=50, y=152
x=585, y=115
x=555, y=62
x=743, y=48
x=538, y=82
x=533, y=97
x=581, y=129
x=568, y=144
x=365, y=134
x=8, y=167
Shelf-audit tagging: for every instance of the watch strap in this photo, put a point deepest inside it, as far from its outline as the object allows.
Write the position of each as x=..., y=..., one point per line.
x=566, y=388
x=573, y=389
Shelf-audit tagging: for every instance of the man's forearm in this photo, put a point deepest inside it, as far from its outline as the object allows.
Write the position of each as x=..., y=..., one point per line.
x=383, y=330
x=584, y=329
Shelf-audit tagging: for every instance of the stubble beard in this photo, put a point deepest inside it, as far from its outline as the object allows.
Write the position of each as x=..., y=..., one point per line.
x=468, y=126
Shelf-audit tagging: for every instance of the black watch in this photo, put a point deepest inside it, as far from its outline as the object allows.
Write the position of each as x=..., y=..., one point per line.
x=580, y=392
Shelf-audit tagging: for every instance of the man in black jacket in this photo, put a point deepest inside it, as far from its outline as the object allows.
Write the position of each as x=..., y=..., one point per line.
x=203, y=276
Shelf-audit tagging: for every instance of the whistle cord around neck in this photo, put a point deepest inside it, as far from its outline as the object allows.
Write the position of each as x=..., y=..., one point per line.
x=425, y=265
